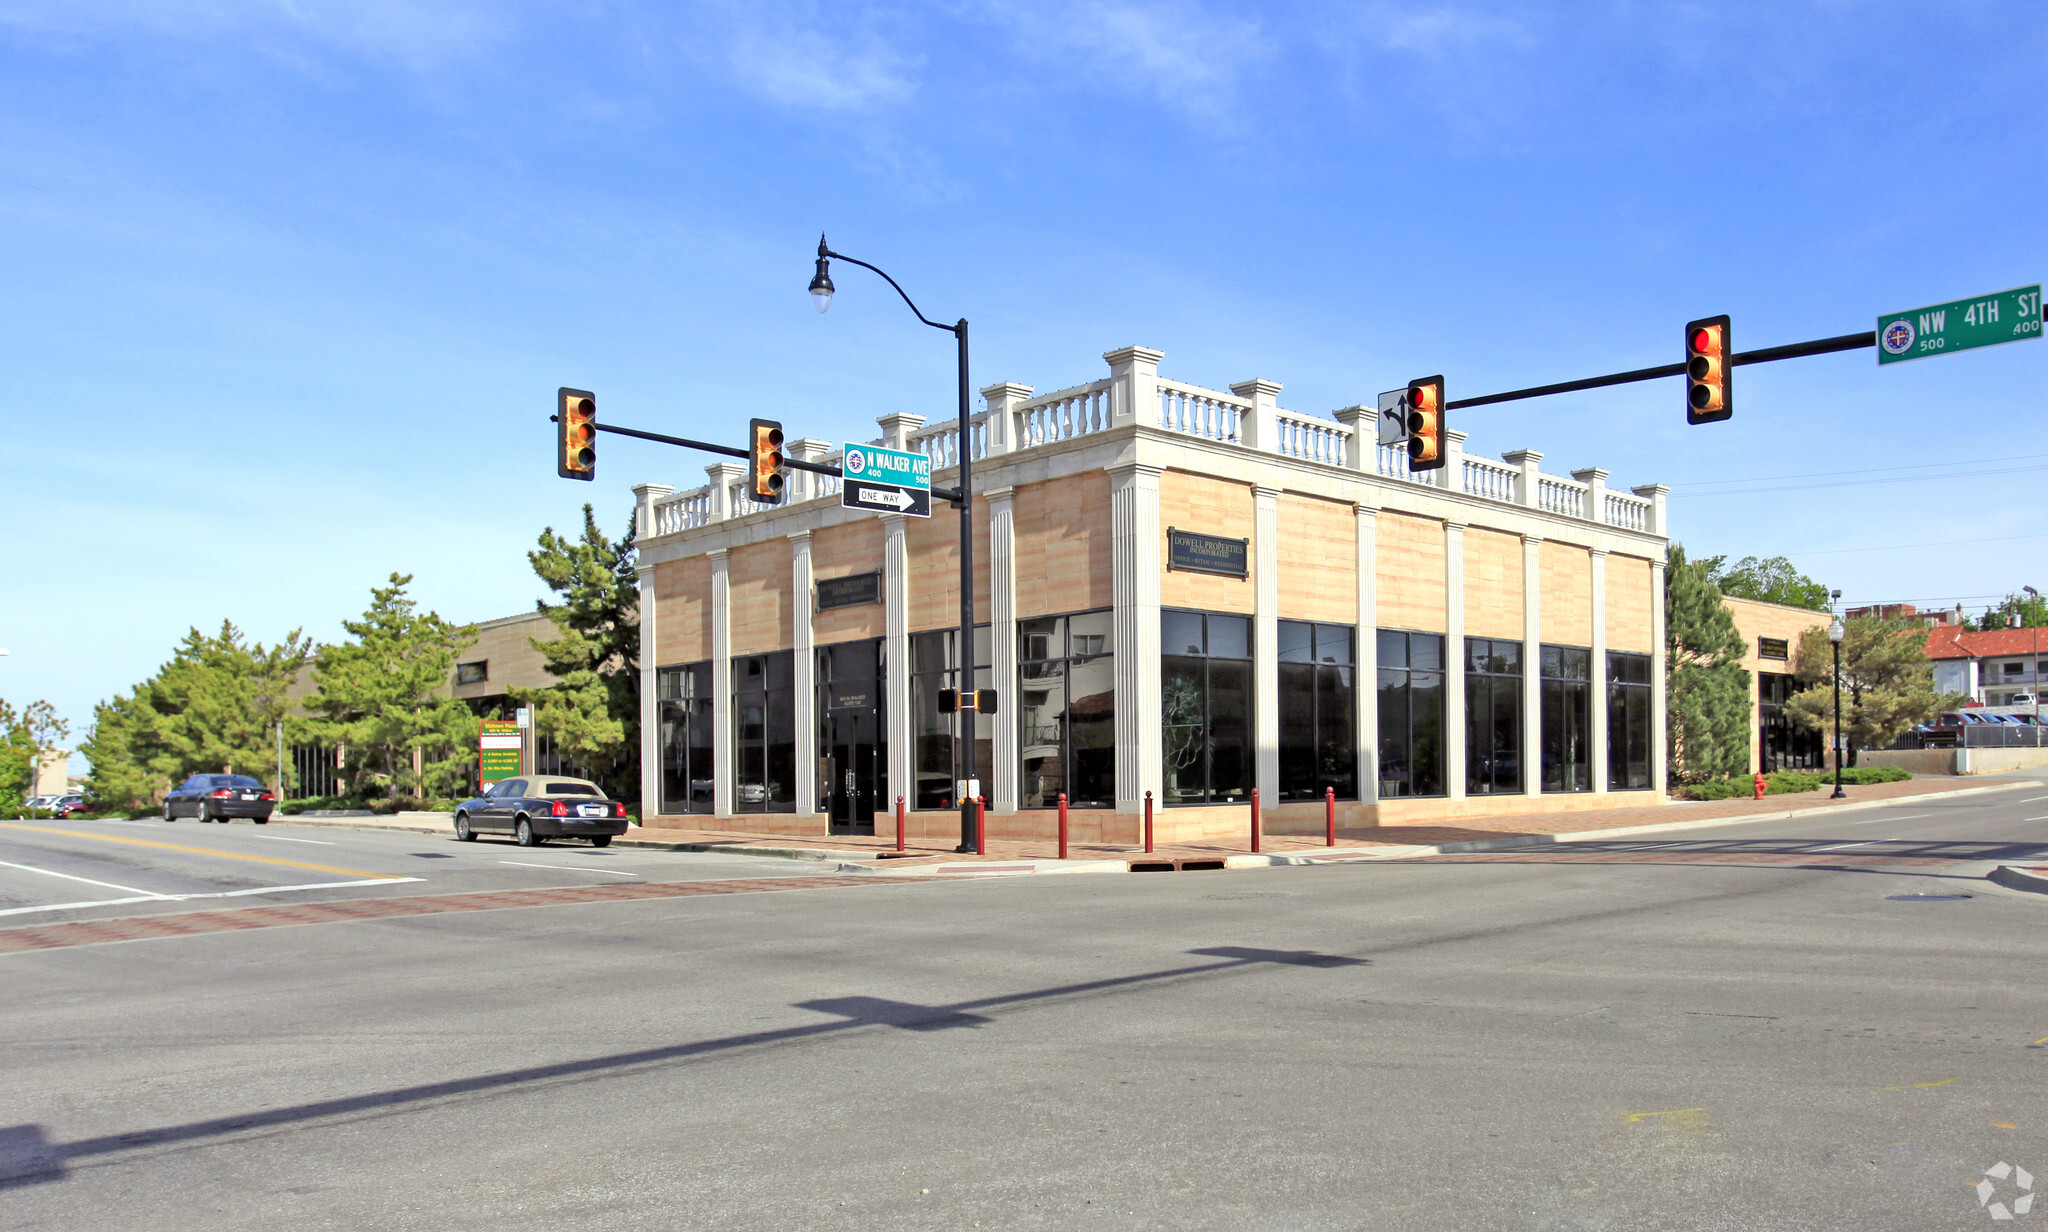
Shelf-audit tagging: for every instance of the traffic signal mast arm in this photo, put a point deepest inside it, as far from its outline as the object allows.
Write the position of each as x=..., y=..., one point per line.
x=1796, y=350
x=816, y=468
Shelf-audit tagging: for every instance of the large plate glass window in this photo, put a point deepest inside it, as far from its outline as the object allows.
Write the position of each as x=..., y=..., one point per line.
x=936, y=761
x=1318, y=698
x=1628, y=721
x=1784, y=744
x=1411, y=711
x=764, y=733
x=1066, y=710
x=1567, y=718
x=1493, y=716
x=1205, y=672
x=688, y=775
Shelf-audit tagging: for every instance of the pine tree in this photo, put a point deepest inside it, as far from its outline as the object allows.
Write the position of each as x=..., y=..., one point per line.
x=593, y=712
x=1707, y=687
x=1887, y=683
x=380, y=696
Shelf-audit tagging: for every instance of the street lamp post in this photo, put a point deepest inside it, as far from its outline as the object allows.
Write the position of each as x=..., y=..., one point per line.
x=2036, y=690
x=1835, y=632
x=821, y=299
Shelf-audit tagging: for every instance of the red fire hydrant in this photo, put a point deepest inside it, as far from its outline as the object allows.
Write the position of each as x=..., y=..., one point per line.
x=1759, y=786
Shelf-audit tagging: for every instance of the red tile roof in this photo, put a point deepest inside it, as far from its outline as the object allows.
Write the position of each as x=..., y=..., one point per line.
x=1953, y=643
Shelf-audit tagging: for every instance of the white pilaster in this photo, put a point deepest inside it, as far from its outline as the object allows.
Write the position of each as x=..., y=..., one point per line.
x=1002, y=617
x=1266, y=638
x=1532, y=661
x=724, y=505
x=1366, y=684
x=1597, y=693
x=1134, y=529
x=1454, y=654
x=1528, y=482
x=1134, y=392
x=1364, y=422
x=1261, y=428
x=803, y=485
x=896, y=658
x=1658, y=702
x=1452, y=477
x=805, y=674
x=721, y=683
x=897, y=429
x=645, y=497
x=1656, y=494
x=1003, y=399
x=1595, y=480
x=650, y=701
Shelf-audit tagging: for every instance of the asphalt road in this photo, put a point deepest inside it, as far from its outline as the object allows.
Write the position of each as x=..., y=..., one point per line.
x=1739, y=1028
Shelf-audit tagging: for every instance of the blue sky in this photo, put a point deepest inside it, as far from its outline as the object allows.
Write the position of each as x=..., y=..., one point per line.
x=289, y=286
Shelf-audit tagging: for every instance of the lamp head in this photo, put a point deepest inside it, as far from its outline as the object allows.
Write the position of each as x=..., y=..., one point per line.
x=821, y=282
x=1835, y=630
x=2030, y=590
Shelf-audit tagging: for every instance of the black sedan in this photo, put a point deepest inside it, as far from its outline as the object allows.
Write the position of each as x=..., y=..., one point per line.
x=534, y=810
x=219, y=797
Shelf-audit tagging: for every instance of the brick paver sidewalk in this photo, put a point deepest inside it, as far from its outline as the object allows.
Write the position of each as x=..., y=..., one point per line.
x=1513, y=826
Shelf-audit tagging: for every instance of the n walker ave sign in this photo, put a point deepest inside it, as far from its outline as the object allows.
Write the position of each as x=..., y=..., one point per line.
x=1961, y=325
x=892, y=480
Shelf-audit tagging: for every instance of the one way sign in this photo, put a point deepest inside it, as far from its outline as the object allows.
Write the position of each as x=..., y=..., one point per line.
x=887, y=479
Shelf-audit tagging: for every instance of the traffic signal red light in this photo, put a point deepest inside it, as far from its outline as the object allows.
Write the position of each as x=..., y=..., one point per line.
x=764, y=462
x=576, y=434
x=1426, y=424
x=1708, y=398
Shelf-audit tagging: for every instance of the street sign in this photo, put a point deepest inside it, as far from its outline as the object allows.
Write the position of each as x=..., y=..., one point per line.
x=1961, y=325
x=497, y=750
x=887, y=481
x=1394, y=416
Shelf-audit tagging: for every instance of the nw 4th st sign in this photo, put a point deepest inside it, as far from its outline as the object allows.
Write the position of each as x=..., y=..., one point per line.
x=892, y=480
x=1965, y=324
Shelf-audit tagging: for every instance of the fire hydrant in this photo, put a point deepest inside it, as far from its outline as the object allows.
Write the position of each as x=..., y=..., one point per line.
x=1759, y=787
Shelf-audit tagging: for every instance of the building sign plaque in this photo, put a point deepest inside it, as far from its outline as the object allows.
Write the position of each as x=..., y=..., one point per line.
x=1189, y=552
x=1773, y=648
x=850, y=699
x=498, y=751
x=849, y=591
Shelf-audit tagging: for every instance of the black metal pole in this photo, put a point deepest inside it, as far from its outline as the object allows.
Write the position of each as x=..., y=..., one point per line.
x=1765, y=355
x=1839, y=793
x=970, y=720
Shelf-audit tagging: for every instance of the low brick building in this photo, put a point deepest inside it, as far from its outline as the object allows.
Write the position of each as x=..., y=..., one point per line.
x=1185, y=592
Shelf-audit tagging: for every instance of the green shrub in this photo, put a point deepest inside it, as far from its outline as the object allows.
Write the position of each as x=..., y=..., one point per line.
x=1783, y=782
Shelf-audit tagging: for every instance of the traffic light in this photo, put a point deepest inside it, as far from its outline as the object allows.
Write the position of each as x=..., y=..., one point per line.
x=1708, y=398
x=764, y=462
x=1426, y=424
x=576, y=434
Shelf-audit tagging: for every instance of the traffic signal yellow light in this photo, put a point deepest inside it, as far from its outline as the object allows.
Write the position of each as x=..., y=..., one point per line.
x=1708, y=398
x=576, y=434
x=764, y=462
x=1426, y=424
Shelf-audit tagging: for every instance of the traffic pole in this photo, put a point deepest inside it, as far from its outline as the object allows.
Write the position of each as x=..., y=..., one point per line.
x=1329, y=817
x=899, y=823
x=1063, y=825
x=1255, y=820
x=981, y=825
x=1148, y=823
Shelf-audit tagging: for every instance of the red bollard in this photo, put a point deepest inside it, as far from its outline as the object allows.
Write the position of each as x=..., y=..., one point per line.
x=899, y=823
x=981, y=825
x=1063, y=825
x=1329, y=817
x=1148, y=823
x=1255, y=820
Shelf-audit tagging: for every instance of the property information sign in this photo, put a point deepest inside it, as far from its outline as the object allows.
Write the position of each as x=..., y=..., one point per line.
x=889, y=480
x=1189, y=552
x=497, y=750
x=1966, y=324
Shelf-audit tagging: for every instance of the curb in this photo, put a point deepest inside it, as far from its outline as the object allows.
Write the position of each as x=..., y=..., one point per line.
x=2033, y=881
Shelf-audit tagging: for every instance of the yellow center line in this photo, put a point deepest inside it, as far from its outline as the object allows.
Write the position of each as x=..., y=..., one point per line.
x=1637, y=1116
x=1914, y=1085
x=2042, y=1040
x=197, y=851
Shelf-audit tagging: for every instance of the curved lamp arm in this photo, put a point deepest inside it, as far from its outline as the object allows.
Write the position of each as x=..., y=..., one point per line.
x=825, y=253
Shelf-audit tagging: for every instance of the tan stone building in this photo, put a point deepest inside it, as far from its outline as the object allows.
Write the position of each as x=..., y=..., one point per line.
x=1188, y=594
x=1770, y=637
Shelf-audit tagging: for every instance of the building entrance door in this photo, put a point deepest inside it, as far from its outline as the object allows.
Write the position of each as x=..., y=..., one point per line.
x=851, y=769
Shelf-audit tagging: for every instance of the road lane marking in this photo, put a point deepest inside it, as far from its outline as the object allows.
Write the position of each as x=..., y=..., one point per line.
x=2042, y=1040
x=197, y=851
x=1916, y=1085
x=2034, y=819
x=30, y=868
x=2034, y=799
x=571, y=868
x=1881, y=820
x=1637, y=1116
x=179, y=898
x=1865, y=843
x=279, y=838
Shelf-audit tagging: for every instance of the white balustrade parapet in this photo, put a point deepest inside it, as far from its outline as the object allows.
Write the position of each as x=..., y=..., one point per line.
x=1134, y=394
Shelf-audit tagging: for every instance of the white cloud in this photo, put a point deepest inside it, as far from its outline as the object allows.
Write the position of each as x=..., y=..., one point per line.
x=798, y=63
x=1187, y=57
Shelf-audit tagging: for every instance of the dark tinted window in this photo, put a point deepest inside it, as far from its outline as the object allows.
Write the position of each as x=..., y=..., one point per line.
x=234, y=780
x=569, y=789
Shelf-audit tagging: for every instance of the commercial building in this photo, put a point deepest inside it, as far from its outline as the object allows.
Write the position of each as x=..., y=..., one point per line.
x=1770, y=637
x=1185, y=593
x=1990, y=668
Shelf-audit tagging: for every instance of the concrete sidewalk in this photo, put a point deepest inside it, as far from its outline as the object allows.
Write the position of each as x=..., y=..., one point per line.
x=877, y=853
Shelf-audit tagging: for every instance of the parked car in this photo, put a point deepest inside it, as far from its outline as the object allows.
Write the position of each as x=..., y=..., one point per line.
x=544, y=806
x=65, y=806
x=221, y=797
